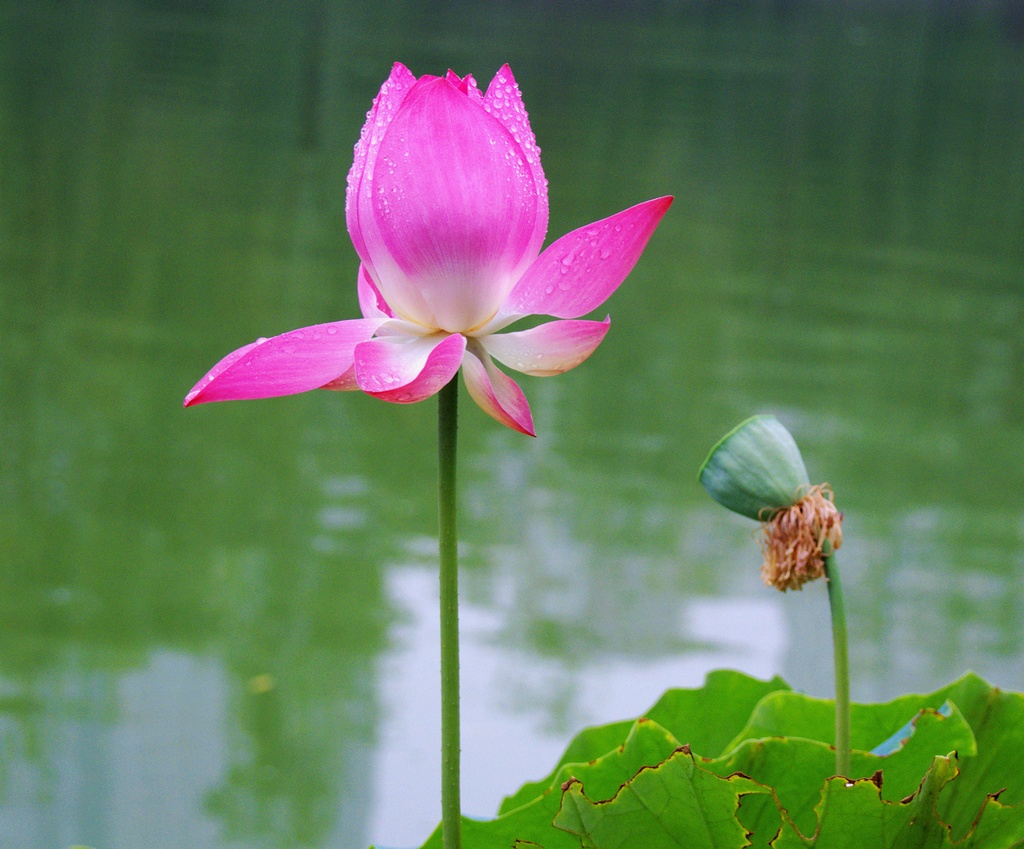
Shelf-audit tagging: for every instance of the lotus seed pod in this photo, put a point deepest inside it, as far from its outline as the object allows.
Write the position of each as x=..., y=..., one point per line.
x=756, y=469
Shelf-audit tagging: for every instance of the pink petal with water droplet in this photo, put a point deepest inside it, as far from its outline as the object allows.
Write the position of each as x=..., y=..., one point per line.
x=385, y=104
x=547, y=349
x=406, y=369
x=505, y=102
x=221, y=366
x=579, y=272
x=297, y=361
x=495, y=392
x=450, y=213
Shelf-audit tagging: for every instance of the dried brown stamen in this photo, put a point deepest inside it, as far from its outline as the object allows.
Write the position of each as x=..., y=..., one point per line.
x=792, y=539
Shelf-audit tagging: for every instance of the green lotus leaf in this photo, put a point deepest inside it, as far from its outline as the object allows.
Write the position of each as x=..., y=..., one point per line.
x=853, y=814
x=680, y=803
x=988, y=765
x=796, y=767
x=673, y=804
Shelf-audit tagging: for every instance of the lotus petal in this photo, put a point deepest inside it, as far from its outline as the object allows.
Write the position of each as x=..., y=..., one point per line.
x=452, y=210
x=547, y=349
x=296, y=361
x=495, y=392
x=406, y=369
x=578, y=272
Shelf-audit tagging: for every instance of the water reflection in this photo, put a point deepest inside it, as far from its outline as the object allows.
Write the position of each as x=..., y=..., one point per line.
x=106, y=754
x=217, y=625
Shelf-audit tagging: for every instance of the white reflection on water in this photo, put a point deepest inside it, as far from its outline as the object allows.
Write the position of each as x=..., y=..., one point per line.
x=508, y=734
x=134, y=781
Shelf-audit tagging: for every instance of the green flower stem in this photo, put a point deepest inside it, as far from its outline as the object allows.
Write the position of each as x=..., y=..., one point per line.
x=841, y=659
x=448, y=544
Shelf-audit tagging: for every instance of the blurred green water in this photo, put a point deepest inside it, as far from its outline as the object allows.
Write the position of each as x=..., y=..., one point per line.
x=205, y=612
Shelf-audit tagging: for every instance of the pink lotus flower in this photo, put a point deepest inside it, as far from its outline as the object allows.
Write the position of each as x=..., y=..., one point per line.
x=447, y=209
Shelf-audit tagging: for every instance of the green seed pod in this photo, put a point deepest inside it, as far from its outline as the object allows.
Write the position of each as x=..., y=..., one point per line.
x=756, y=469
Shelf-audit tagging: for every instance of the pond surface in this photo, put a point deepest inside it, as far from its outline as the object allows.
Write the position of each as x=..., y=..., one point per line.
x=219, y=625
